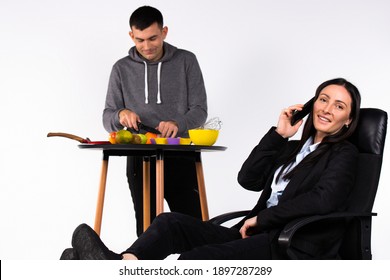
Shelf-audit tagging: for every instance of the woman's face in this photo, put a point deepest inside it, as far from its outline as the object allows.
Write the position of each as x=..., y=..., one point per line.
x=331, y=111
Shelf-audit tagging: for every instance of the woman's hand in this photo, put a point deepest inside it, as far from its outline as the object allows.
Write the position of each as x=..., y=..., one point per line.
x=284, y=127
x=250, y=223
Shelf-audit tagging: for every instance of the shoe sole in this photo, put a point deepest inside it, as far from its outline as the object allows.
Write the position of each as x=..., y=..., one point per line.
x=88, y=244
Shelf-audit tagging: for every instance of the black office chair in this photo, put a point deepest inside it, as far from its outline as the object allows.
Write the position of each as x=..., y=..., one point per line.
x=369, y=138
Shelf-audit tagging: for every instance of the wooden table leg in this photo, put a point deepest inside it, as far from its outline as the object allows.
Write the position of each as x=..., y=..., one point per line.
x=101, y=193
x=160, y=183
x=146, y=191
x=201, y=188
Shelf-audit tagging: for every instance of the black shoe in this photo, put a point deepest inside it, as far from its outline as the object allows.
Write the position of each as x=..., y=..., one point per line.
x=89, y=246
x=69, y=254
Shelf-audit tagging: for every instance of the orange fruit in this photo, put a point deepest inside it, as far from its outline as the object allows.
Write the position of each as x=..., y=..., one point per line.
x=150, y=135
x=111, y=137
x=123, y=137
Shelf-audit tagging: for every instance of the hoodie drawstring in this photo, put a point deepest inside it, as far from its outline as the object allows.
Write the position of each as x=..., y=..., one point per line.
x=158, y=83
x=146, y=84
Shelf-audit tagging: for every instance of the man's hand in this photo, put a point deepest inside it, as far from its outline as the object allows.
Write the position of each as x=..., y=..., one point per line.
x=168, y=129
x=252, y=222
x=129, y=119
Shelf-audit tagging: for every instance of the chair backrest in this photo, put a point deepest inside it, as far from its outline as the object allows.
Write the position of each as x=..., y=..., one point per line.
x=369, y=138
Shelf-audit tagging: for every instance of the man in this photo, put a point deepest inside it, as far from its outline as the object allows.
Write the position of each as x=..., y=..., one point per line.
x=162, y=87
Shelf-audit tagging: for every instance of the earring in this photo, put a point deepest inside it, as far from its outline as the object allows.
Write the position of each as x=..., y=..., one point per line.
x=346, y=125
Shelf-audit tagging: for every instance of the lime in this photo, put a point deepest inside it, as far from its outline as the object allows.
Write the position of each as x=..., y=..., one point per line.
x=143, y=138
x=139, y=139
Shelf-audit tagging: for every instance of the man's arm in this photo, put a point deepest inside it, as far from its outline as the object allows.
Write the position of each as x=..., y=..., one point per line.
x=114, y=103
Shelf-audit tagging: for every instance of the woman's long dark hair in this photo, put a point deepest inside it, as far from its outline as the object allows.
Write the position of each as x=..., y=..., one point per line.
x=309, y=130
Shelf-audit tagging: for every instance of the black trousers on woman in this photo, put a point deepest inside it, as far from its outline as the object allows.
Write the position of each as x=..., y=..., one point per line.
x=180, y=186
x=175, y=233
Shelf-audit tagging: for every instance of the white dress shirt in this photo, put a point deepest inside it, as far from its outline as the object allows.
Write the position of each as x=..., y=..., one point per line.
x=278, y=187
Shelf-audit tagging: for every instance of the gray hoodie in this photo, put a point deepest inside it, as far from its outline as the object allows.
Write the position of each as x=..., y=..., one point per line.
x=171, y=89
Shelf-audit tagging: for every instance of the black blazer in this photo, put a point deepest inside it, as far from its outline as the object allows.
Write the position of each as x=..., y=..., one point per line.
x=319, y=189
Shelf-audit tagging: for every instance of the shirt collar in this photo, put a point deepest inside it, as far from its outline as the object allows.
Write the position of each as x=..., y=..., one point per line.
x=309, y=145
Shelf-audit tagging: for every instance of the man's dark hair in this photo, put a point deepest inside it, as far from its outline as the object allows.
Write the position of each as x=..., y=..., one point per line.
x=144, y=17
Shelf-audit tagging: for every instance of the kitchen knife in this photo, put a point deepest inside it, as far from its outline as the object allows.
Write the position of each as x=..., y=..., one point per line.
x=147, y=128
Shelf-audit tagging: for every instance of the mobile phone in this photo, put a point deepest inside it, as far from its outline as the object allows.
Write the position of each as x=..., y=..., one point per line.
x=298, y=115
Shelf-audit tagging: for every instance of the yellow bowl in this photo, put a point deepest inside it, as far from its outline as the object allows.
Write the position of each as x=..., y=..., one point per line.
x=203, y=137
x=161, y=141
x=185, y=141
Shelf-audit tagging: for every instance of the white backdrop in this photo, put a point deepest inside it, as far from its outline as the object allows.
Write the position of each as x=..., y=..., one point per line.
x=257, y=57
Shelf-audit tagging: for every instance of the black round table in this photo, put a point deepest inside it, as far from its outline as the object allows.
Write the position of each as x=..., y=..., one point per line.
x=147, y=151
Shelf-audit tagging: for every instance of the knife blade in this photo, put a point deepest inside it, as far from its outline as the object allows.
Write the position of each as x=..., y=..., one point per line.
x=147, y=128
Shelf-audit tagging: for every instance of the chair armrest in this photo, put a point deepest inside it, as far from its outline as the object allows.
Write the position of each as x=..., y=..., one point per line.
x=220, y=219
x=291, y=228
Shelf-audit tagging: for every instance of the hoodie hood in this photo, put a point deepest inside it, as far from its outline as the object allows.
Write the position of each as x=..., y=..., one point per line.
x=169, y=52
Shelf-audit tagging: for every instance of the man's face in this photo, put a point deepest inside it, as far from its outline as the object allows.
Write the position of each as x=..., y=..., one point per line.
x=149, y=42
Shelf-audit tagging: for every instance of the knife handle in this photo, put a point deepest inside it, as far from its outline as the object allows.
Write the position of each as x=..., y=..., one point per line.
x=67, y=135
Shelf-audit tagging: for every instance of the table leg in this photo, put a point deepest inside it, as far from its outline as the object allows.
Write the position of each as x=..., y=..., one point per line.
x=201, y=188
x=159, y=182
x=146, y=191
x=101, y=193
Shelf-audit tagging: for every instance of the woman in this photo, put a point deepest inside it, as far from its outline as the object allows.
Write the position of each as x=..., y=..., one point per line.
x=297, y=178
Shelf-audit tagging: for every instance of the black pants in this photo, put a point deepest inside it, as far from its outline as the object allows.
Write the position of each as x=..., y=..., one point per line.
x=172, y=233
x=180, y=186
